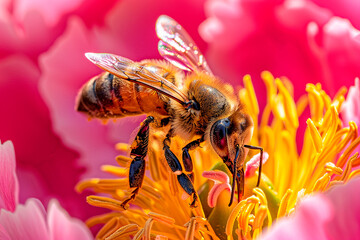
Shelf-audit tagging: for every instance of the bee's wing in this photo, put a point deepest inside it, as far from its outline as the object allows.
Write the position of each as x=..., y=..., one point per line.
x=134, y=72
x=177, y=46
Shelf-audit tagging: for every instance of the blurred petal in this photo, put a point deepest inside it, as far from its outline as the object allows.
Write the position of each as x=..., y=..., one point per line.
x=3, y=234
x=9, y=186
x=62, y=226
x=27, y=222
x=333, y=215
x=350, y=109
x=51, y=10
x=45, y=166
x=247, y=37
x=346, y=9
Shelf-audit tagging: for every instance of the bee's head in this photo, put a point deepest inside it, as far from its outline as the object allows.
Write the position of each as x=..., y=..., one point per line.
x=232, y=133
x=228, y=137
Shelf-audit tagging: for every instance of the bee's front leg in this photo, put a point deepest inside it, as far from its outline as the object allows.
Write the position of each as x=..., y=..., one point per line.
x=175, y=166
x=187, y=161
x=138, y=153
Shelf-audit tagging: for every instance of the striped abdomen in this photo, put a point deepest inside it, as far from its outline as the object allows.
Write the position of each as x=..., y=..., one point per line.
x=107, y=96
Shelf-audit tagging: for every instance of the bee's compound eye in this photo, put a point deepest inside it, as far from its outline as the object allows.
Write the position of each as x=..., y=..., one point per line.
x=218, y=136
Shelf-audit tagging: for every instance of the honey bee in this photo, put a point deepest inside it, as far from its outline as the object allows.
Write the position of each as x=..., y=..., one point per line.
x=192, y=105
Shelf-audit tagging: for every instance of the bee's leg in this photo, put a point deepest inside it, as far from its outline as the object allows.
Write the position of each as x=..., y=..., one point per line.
x=176, y=168
x=138, y=153
x=187, y=161
x=188, y=186
x=261, y=160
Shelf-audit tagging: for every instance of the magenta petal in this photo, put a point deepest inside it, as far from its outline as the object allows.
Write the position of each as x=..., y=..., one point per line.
x=51, y=12
x=345, y=201
x=62, y=226
x=9, y=186
x=27, y=222
x=3, y=234
x=215, y=192
x=253, y=164
x=216, y=175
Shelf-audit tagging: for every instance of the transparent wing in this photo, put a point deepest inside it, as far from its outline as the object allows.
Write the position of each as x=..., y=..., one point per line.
x=134, y=72
x=177, y=46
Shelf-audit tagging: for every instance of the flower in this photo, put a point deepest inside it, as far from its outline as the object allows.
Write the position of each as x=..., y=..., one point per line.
x=30, y=221
x=307, y=41
x=350, y=110
x=324, y=216
x=288, y=179
x=30, y=28
x=39, y=38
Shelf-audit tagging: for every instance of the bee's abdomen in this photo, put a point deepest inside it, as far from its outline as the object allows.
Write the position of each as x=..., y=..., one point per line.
x=107, y=96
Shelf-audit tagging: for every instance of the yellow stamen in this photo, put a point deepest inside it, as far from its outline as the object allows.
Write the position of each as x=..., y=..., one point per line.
x=122, y=183
x=243, y=218
x=122, y=147
x=347, y=152
x=301, y=105
x=354, y=174
x=269, y=82
x=117, y=171
x=261, y=195
x=161, y=218
x=321, y=183
x=290, y=107
x=331, y=168
x=89, y=183
x=349, y=165
x=105, y=202
x=315, y=135
x=254, y=106
x=123, y=161
x=101, y=219
x=139, y=235
x=190, y=231
x=231, y=219
x=147, y=229
x=284, y=203
x=111, y=226
x=316, y=103
x=330, y=124
x=260, y=217
x=124, y=231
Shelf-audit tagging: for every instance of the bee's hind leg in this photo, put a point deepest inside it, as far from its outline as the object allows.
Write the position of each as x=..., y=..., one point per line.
x=184, y=180
x=138, y=152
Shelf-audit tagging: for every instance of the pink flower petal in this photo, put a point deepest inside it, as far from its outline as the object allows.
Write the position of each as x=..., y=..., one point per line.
x=217, y=176
x=350, y=109
x=346, y=8
x=52, y=11
x=27, y=222
x=45, y=166
x=330, y=216
x=345, y=201
x=3, y=234
x=9, y=186
x=249, y=37
x=215, y=192
x=62, y=226
x=253, y=164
